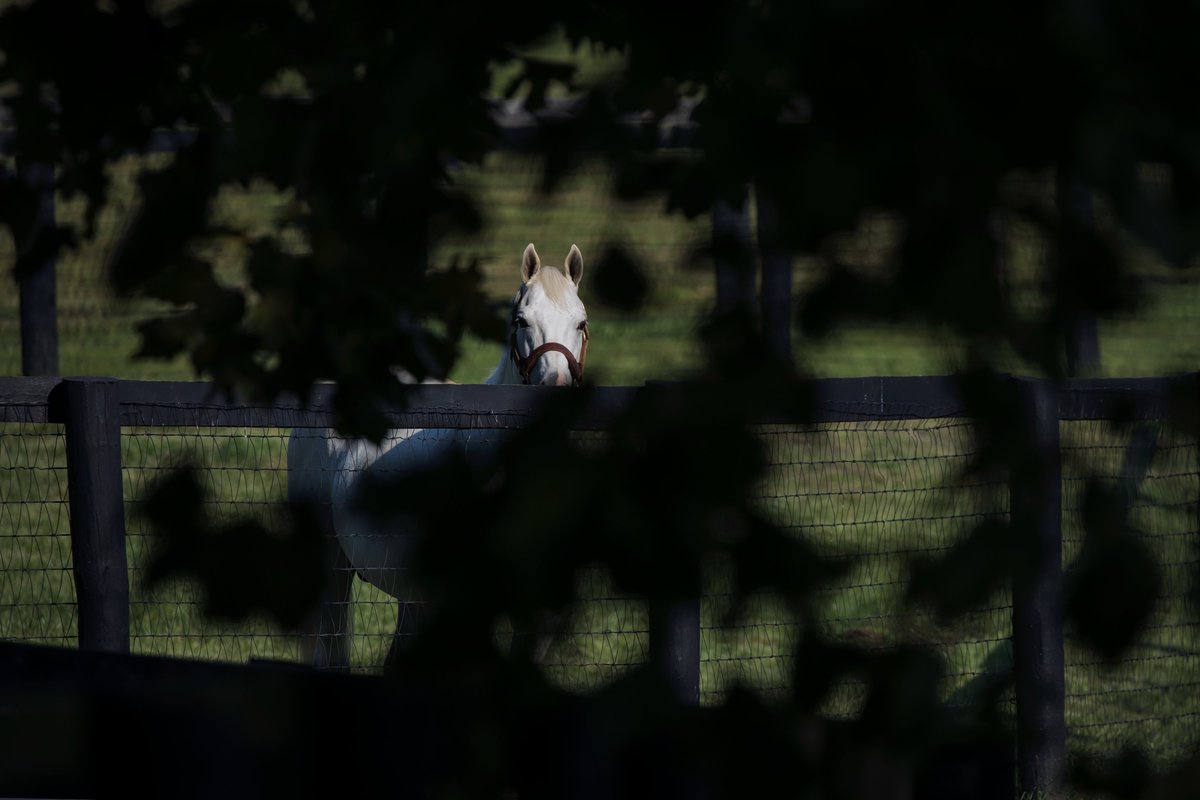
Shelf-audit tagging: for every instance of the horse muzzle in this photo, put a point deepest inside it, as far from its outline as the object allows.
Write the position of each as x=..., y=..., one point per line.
x=525, y=365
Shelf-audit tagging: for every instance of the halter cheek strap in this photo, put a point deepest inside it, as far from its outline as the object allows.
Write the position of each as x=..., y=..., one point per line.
x=525, y=365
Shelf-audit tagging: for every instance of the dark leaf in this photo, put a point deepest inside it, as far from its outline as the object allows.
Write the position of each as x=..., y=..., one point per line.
x=975, y=568
x=1113, y=589
x=619, y=281
x=241, y=569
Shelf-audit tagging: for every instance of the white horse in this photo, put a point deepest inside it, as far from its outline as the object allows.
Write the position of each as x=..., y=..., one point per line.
x=547, y=346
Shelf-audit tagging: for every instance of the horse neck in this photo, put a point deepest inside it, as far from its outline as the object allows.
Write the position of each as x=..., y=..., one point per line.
x=505, y=372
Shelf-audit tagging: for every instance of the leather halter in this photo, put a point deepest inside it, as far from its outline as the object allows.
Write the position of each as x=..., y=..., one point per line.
x=525, y=365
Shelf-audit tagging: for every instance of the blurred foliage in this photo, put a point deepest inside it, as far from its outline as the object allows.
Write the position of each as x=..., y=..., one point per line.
x=191, y=547
x=833, y=110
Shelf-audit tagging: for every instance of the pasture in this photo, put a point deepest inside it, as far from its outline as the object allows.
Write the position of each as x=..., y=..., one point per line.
x=97, y=336
x=879, y=492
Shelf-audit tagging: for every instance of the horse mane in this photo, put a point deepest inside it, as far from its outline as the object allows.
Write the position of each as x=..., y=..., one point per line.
x=554, y=284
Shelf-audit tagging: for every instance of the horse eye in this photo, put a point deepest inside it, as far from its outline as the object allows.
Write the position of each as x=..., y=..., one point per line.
x=583, y=325
x=520, y=322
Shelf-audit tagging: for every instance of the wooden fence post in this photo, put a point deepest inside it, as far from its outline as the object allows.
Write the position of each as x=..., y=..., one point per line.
x=675, y=657
x=675, y=646
x=93, y=433
x=1037, y=613
x=38, y=288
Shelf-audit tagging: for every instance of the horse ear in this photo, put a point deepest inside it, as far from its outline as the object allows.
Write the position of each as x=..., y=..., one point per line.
x=530, y=263
x=574, y=264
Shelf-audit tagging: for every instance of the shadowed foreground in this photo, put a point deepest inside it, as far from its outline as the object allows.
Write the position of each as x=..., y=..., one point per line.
x=72, y=723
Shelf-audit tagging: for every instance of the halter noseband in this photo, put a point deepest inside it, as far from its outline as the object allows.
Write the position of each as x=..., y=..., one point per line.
x=525, y=365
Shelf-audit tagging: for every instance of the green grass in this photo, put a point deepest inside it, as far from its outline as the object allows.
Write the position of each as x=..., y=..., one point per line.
x=878, y=491
x=97, y=337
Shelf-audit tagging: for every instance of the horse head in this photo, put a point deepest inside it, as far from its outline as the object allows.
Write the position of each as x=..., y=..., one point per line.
x=549, y=330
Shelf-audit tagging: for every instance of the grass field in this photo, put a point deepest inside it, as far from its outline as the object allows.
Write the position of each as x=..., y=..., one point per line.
x=878, y=491
x=97, y=335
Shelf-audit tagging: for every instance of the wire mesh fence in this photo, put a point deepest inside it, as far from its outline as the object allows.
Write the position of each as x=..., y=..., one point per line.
x=37, y=593
x=873, y=494
x=606, y=633
x=244, y=475
x=1151, y=697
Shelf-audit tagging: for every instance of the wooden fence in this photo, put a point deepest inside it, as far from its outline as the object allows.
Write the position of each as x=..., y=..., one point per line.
x=94, y=410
